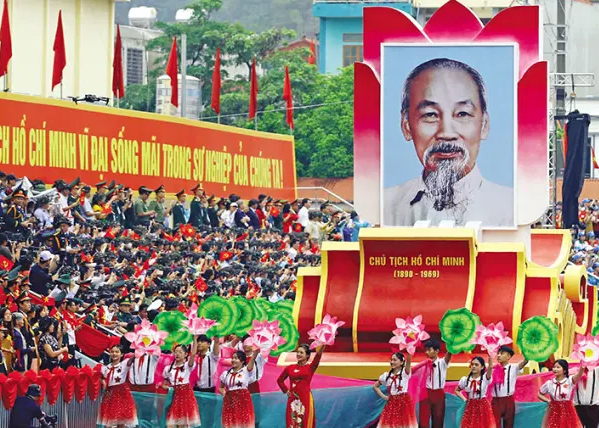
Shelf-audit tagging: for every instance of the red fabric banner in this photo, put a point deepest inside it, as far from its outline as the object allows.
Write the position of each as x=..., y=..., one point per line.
x=93, y=342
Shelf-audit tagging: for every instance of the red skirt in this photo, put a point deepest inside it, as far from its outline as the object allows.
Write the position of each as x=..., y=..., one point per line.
x=238, y=410
x=561, y=414
x=399, y=412
x=117, y=407
x=478, y=414
x=184, y=408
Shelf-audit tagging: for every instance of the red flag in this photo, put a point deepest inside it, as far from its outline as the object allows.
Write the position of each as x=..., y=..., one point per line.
x=60, y=54
x=312, y=57
x=172, y=70
x=5, y=263
x=253, y=91
x=118, y=85
x=288, y=96
x=5, y=41
x=595, y=164
x=216, y=83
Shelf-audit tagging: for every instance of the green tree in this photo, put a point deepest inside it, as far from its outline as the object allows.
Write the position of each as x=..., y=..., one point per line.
x=140, y=97
x=323, y=113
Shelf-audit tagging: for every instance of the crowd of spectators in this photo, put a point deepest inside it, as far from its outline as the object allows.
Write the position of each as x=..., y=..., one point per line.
x=585, y=242
x=108, y=258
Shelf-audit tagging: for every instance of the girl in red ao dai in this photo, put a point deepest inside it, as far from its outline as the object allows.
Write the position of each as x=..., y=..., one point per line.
x=238, y=409
x=399, y=411
x=478, y=412
x=560, y=412
x=117, y=407
x=183, y=411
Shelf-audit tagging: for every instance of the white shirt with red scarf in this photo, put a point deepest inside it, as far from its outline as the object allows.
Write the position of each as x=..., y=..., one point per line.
x=559, y=391
x=395, y=383
x=178, y=374
x=238, y=380
x=115, y=374
x=475, y=388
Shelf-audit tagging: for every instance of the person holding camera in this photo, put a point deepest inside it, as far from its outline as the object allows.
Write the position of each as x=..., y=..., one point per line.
x=26, y=409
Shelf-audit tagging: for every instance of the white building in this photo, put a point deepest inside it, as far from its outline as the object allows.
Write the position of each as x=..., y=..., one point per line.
x=138, y=61
x=194, y=97
x=484, y=9
x=89, y=41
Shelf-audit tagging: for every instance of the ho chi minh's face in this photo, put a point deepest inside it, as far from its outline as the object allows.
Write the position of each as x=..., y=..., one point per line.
x=445, y=107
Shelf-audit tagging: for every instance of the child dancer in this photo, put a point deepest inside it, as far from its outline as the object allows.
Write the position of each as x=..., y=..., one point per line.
x=503, y=404
x=183, y=411
x=561, y=412
x=117, y=407
x=399, y=411
x=433, y=407
x=238, y=409
x=478, y=412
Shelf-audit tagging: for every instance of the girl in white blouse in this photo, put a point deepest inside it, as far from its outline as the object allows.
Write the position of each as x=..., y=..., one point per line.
x=238, y=409
x=117, y=407
x=478, y=412
x=560, y=412
x=183, y=411
x=399, y=410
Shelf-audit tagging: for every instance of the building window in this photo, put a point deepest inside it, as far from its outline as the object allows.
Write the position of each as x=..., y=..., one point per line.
x=352, y=54
x=135, y=66
x=352, y=38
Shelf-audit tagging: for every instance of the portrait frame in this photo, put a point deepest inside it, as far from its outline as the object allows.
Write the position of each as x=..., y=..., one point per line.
x=513, y=133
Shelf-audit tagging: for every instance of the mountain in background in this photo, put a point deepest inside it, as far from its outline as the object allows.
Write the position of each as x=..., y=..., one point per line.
x=255, y=15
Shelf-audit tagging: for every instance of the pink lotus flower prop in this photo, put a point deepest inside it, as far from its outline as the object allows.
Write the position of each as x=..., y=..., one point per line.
x=491, y=337
x=325, y=332
x=586, y=350
x=195, y=325
x=266, y=336
x=409, y=333
x=146, y=339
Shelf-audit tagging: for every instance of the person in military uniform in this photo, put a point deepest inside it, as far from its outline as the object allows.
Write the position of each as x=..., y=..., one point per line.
x=73, y=200
x=179, y=210
x=158, y=205
x=124, y=315
x=60, y=239
x=143, y=213
x=27, y=346
x=11, y=289
x=101, y=188
x=14, y=217
x=198, y=214
x=119, y=206
x=213, y=211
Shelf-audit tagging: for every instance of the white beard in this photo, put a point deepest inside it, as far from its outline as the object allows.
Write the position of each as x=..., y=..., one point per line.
x=440, y=181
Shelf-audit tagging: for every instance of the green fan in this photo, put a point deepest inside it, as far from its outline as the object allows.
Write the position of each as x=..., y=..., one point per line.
x=261, y=314
x=289, y=332
x=458, y=327
x=537, y=338
x=266, y=307
x=247, y=314
x=595, y=331
x=171, y=322
x=284, y=306
x=221, y=310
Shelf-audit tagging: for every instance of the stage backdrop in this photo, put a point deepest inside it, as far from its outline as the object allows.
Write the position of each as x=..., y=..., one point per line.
x=452, y=27
x=49, y=139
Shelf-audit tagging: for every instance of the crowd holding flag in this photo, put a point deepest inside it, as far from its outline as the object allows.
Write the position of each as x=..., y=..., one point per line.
x=60, y=55
x=5, y=43
x=172, y=70
x=216, y=84
x=118, y=85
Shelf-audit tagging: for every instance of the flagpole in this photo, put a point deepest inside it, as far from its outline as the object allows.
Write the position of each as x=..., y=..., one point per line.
x=61, y=89
x=256, y=121
x=218, y=118
x=118, y=99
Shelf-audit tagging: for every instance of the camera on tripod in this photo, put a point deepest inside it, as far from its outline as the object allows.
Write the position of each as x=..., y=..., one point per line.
x=49, y=421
